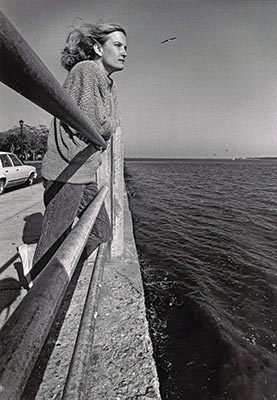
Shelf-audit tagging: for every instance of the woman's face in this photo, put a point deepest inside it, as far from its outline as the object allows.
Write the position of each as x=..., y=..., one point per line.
x=114, y=52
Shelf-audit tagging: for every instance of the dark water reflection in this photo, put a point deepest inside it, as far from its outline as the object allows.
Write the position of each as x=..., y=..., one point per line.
x=206, y=236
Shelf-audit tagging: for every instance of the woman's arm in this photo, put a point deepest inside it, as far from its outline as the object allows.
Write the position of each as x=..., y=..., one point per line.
x=87, y=87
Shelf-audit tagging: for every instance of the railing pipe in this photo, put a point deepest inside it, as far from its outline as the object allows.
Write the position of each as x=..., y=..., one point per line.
x=22, y=70
x=25, y=332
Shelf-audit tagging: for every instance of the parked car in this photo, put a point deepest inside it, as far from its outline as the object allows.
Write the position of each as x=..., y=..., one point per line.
x=13, y=172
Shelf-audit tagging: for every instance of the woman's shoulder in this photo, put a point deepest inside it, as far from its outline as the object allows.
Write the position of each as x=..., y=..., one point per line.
x=85, y=67
x=86, y=73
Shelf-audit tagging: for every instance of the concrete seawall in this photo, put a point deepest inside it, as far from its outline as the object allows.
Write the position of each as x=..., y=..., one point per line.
x=122, y=364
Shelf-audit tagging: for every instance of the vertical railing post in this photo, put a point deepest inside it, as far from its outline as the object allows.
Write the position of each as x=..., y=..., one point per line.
x=111, y=173
x=104, y=177
x=117, y=195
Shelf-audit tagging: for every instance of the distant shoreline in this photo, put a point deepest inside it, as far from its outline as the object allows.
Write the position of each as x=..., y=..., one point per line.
x=197, y=159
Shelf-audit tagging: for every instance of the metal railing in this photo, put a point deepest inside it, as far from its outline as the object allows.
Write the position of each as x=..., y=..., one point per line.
x=23, y=335
x=22, y=70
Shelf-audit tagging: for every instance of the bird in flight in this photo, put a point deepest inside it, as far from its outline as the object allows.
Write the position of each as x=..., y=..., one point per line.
x=168, y=40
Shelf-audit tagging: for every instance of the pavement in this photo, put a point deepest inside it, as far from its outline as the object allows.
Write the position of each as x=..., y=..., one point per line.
x=21, y=211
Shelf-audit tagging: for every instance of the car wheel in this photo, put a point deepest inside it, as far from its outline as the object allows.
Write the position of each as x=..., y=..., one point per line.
x=30, y=180
x=2, y=186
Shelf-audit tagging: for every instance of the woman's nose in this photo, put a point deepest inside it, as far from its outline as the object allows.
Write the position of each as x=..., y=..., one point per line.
x=124, y=52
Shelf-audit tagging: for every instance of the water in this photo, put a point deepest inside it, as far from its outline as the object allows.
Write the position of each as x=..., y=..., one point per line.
x=206, y=234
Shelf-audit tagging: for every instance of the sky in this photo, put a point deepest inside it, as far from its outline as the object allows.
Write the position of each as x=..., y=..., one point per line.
x=211, y=93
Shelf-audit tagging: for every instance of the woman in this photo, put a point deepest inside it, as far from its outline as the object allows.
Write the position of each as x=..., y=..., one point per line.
x=91, y=55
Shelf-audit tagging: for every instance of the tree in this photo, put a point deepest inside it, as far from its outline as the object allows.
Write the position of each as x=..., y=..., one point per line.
x=10, y=140
x=34, y=140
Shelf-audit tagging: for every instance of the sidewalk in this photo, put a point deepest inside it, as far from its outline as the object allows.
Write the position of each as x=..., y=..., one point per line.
x=20, y=221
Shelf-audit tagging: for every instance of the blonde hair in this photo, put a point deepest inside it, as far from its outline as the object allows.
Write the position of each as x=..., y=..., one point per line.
x=80, y=41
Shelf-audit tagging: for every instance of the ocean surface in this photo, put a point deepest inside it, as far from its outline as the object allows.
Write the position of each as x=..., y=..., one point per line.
x=206, y=235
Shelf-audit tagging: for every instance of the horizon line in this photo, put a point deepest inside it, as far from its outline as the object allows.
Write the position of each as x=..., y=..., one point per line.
x=200, y=158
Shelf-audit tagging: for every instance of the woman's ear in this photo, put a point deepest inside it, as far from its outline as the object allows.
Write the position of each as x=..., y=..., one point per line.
x=97, y=49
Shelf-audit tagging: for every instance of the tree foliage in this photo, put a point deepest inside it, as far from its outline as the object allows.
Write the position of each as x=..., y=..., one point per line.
x=34, y=140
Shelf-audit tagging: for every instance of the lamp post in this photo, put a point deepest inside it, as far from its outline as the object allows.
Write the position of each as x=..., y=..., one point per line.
x=21, y=122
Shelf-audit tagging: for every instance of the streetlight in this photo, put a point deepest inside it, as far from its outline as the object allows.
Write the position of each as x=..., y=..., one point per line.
x=21, y=122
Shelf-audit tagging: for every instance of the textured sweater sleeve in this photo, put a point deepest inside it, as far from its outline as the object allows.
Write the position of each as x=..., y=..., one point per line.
x=87, y=86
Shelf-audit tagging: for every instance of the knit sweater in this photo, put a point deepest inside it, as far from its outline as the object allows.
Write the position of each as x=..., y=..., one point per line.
x=69, y=156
